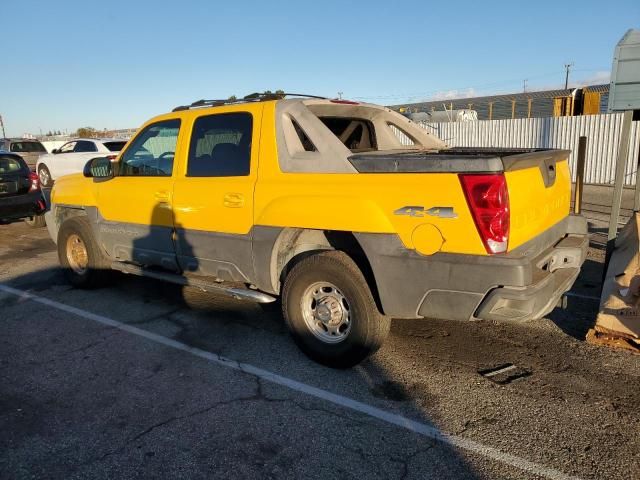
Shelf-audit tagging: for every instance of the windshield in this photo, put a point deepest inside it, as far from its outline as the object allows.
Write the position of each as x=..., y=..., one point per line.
x=27, y=147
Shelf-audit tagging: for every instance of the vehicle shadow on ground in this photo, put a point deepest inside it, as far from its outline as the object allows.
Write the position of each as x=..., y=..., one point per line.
x=579, y=314
x=226, y=327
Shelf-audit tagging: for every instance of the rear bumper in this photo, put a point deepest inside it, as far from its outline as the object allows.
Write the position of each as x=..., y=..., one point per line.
x=524, y=284
x=539, y=298
x=21, y=206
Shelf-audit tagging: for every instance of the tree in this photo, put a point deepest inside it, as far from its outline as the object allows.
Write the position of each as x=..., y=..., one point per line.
x=86, y=132
x=232, y=98
x=277, y=93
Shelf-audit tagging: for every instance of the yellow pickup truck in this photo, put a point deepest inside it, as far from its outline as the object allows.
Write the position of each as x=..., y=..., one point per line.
x=349, y=212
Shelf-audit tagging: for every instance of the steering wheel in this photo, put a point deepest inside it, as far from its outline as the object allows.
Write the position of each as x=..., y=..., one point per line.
x=167, y=154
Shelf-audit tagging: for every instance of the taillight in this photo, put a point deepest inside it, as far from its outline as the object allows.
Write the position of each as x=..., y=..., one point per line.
x=488, y=200
x=35, y=182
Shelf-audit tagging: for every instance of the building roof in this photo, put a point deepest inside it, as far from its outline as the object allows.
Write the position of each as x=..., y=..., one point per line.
x=541, y=103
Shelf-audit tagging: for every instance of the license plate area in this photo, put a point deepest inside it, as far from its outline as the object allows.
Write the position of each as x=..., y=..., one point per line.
x=8, y=187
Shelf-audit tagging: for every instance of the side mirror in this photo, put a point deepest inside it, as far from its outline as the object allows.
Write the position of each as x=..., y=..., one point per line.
x=55, y=150
x=99, y=167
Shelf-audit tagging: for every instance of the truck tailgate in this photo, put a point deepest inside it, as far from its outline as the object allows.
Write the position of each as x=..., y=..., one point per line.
x=539, y=185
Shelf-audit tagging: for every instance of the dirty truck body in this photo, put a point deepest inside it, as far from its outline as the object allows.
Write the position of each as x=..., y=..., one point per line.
x=350, y=212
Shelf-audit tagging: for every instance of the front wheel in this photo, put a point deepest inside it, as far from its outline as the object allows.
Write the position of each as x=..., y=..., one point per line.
x=331, y=312
x=79, y=254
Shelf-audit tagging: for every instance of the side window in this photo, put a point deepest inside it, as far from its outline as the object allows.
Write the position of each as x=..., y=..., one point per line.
x=67, y=147
x=84, y=146
x=152, y=151
x=221, y=146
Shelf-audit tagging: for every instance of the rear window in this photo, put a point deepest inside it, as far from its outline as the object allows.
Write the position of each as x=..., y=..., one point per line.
x=115, y=146
x=9, y=165
x=357, y=134
x=27, y=147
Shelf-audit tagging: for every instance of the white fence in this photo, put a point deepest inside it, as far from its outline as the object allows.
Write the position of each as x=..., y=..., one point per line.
x=602, y=132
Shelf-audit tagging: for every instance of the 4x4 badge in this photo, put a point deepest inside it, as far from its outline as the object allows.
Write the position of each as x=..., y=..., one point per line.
x=442, y=212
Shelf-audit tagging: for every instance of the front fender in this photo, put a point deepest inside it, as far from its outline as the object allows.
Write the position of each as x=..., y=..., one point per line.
x=74, y=189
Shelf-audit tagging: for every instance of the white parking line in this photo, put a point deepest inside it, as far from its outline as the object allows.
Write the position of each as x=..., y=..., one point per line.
x=392, y=418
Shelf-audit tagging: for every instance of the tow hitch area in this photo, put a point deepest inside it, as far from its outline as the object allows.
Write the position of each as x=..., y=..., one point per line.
x=505, y=373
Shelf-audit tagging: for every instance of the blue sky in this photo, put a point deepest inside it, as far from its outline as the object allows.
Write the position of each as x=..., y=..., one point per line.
x=68, y=64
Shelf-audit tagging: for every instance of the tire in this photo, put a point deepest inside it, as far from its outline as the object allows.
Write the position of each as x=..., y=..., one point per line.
x=83, y=271
x=345, y=326
x=37, y=221
x=44, y=175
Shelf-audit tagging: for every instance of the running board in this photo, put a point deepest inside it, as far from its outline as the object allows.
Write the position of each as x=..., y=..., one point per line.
x=235, y=292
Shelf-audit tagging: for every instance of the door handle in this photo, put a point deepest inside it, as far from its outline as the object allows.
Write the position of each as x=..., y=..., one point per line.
x=233, y=200
x=162, y=196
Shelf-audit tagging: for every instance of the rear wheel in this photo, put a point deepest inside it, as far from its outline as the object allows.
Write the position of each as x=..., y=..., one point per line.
x=44, y=175
x=79, y=254
x=331, y=312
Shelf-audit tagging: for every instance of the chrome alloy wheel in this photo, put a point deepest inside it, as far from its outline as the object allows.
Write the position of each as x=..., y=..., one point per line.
x=326, y=312
x=44, y=176
x=77, y=255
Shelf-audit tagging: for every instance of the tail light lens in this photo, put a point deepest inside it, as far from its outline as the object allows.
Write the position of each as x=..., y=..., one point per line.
x=35, y=182
x=488, y=200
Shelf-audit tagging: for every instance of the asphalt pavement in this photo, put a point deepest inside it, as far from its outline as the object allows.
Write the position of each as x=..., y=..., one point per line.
x=148, y=380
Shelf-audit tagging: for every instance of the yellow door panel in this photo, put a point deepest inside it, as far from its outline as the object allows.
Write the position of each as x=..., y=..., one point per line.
x=214, y=190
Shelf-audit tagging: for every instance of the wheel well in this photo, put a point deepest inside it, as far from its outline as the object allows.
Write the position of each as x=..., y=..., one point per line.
x=298, y=244
x=62, y=213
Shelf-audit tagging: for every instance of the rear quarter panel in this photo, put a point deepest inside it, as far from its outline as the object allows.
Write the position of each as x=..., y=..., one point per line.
x=356, y=202
x=366, y=203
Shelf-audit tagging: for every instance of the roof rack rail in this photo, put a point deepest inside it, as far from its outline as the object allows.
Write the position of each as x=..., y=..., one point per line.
x=252, y=97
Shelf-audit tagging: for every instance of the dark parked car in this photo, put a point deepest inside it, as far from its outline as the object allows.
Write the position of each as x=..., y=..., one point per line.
x=20, y=193
x=29, y=149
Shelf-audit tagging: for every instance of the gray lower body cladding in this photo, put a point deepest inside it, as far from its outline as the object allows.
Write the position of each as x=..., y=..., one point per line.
x=524, y=284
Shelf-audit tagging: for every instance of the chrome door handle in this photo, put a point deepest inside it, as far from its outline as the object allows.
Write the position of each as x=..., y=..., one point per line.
x=233, y=200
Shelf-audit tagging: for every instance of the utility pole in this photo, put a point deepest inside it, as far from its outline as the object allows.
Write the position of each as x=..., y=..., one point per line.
x=567, y=67
x=524, y=85
x=4, y=135
x=340, y=95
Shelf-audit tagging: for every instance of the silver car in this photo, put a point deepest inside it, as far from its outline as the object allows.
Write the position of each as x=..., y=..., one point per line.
x=29, y=149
